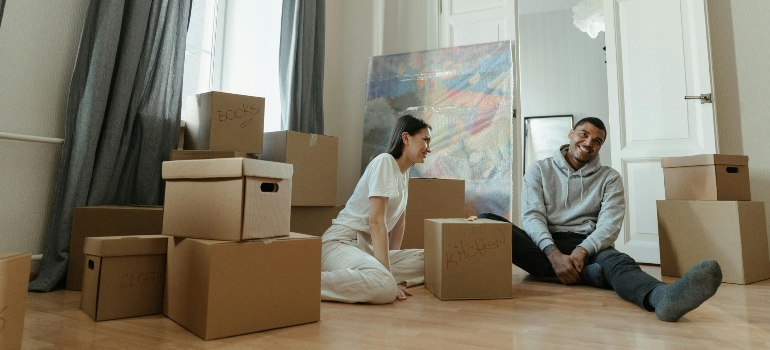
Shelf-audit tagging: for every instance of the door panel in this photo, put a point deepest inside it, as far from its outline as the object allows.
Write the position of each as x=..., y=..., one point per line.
x=464, y=22
x=657, y=52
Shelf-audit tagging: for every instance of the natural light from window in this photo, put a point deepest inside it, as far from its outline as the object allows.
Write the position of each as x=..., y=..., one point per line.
x=232, y=46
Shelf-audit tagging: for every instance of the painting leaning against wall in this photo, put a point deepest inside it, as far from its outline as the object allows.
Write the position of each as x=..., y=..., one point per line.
x=466, y=94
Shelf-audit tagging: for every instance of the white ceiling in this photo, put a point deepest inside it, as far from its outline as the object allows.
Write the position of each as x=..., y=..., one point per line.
x=537, y=6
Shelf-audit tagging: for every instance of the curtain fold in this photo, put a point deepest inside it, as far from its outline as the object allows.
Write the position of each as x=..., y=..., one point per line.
x=2, y=7
x=301, y=65
x=123, y=114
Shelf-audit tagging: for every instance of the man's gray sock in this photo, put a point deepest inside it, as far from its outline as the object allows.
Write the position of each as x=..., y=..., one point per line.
x=592, y=275
x=673, y=301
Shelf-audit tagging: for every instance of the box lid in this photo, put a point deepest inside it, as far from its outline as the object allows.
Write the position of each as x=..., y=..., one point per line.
x=126, y=245
x=292, y=236
x=226, y=167
x=703, y=159
x=435, y=178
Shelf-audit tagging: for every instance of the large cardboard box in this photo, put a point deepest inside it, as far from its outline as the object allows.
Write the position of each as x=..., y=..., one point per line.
x=195, y=155
x=731, y=232
x=123, y=276
x=431, y=199
x=14, y=278
x=218, y=121
x=228, y=199
x=468, y=259
x=107, y=220
x=219, y=289
x=313, y=221
x=707, y=177
x=315, y=165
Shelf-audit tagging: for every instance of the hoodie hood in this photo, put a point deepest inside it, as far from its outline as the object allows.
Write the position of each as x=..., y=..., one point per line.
x=589, y=168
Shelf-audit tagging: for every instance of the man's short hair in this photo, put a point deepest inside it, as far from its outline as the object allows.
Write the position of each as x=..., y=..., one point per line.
x=593, y=121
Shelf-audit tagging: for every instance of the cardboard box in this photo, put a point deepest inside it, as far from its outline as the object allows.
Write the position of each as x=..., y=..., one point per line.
x=315, y=165
x=123, y=276
x=468, y=259
x=218, y=121
x=707, y=177
x=197, y=155
x=219, y=289
x=107, y=220
x=14, y=278
x=731, y=232
x=229, y=199
x=431, y=199
x=313, y=221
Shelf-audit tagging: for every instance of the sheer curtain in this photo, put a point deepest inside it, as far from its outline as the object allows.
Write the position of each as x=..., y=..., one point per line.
x=122, y=116
x=301, y=65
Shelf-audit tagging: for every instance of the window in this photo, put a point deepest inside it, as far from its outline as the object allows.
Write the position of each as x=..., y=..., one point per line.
x=232, y=46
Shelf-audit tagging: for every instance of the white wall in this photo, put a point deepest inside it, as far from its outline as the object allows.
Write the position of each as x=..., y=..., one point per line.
x=563, y=70
x=38, y=44
x=355, y=31
x=740, y=52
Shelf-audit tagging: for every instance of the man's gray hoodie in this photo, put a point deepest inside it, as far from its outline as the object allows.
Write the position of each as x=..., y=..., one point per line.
x=557, y=198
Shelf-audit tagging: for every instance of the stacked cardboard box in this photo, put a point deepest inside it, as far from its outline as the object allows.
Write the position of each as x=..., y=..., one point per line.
x=314, y=183
x=233, y=266
x=424, y=195
x=708, y=214
x=14, y=277
x=123, y=276
x=107, y=220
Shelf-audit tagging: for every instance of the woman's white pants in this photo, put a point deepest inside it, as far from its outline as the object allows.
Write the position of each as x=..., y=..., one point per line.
x=351, y=274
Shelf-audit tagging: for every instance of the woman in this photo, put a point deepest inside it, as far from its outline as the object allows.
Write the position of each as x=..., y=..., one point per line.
x=361, y=260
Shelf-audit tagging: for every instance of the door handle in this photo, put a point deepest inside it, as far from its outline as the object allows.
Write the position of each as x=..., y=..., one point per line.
x=704, y=98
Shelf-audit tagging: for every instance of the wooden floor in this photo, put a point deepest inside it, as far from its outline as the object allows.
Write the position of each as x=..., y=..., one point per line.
x=541, y=315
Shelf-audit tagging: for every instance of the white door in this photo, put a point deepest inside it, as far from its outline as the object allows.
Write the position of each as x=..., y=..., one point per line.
x=657, y=53
x=468, y=22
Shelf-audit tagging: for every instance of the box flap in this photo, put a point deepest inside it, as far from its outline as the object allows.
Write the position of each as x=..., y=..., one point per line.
x=434, y=178
x=225, y=168
x=126, y=245
x=703, y=159
x=291, y=236
x=12, y=255
x=122, y=207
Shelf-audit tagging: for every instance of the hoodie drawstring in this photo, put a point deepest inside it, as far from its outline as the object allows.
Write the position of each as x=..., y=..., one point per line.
x=566, y=192
x=581, y=185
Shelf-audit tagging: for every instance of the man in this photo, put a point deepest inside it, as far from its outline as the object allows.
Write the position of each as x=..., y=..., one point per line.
x=572, y=211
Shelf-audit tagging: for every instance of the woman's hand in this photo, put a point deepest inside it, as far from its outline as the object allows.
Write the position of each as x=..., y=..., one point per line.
x=403, y=293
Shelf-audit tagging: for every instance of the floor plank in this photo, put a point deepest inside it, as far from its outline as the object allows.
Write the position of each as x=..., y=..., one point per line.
x=541, y=315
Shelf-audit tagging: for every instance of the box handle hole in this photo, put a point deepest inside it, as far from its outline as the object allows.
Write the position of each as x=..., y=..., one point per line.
x=732, y=170
x=268, y=187
x=90, y=264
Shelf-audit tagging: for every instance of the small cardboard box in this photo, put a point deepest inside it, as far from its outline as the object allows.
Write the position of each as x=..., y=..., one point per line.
x=107, y=220
x=219, y=289
x=315, y=165
x=218, y=121
x=123, y=276
x=197, y=155
x=14, y=278
x=707, y=177
x=731, y=232
x=468, y=259
x=229, y=199
x=313, y=221
x=431, y=199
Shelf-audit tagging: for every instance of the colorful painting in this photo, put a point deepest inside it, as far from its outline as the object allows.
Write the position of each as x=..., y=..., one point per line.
x=466, y=94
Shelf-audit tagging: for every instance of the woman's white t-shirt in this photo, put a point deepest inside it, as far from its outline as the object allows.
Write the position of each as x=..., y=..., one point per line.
x=382, y=178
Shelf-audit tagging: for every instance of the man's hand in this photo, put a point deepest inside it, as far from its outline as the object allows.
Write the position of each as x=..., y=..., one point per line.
x=578, y=256
x=564, y=266
x=403, y=293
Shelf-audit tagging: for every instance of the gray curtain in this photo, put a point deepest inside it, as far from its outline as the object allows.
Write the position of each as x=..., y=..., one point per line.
x=301, y=65
x=2, y=7
x=122, y=116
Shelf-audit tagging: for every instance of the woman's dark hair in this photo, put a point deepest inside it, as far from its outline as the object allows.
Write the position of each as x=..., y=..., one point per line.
x=406, y=123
